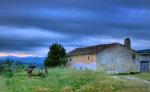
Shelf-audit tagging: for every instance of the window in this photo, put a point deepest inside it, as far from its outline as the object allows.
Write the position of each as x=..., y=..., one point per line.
x=86, y=68
x=88, y=57
x=70, y=59
x=133, y=56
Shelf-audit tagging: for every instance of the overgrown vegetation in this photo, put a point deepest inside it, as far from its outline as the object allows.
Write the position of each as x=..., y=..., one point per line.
x=6, y=66
x=67, y=80
x=56, y=56
x=9, y=67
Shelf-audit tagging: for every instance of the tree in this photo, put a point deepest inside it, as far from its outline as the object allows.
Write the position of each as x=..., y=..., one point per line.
x=56, y=56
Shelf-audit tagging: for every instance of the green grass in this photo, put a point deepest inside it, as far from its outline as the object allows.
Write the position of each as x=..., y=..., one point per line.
x=67, y=80
x=144, y=76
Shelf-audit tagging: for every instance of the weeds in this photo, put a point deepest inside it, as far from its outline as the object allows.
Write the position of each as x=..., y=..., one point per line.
x=67, y=80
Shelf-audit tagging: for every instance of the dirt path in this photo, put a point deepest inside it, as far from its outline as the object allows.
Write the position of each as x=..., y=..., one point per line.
x=132, y=78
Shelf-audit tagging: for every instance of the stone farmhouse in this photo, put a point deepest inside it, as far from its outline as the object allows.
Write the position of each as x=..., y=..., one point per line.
x=112, y=58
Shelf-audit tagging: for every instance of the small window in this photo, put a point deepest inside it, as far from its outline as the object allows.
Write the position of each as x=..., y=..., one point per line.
x=70, y=59
x=80, y=68
x=133, y=56
x=88, y=57
x=86, y=68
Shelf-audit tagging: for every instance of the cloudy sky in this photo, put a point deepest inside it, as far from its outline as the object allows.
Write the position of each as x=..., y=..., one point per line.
x=28, y=27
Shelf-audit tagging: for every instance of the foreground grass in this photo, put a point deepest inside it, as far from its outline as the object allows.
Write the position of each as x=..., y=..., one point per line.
x=67, y=80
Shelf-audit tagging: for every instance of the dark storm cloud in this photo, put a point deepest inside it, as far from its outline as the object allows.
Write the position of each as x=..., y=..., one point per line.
x=21, y=45
x=74, y=20
x=18, y=39
x=15, y=43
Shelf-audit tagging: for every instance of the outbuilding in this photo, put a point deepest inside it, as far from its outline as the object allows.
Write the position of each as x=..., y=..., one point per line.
x=144, y=60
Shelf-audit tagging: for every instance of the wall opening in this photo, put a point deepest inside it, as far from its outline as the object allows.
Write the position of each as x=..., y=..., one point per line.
x=70, y=60
x=133, y=56
x=88, y=57
x=86, y=68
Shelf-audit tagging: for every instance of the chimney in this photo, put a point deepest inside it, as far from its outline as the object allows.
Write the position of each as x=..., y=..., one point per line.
x=127, y=43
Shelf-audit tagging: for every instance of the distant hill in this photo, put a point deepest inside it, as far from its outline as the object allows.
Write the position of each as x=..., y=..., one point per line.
x=144, y=51
x=39, y=61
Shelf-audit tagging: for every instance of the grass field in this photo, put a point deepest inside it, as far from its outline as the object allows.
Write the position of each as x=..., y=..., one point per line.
x=67, y=80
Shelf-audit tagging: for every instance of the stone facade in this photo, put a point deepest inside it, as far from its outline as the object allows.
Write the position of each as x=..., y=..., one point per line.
x=118, y=60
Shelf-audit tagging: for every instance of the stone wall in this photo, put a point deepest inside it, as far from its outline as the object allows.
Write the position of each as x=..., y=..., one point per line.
x=118, y=59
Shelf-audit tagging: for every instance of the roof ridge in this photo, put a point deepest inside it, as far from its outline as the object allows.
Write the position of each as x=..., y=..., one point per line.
x=92, y=49
x=98, y=45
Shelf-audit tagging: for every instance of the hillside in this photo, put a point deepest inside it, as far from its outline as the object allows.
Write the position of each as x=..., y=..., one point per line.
x=144, y=51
